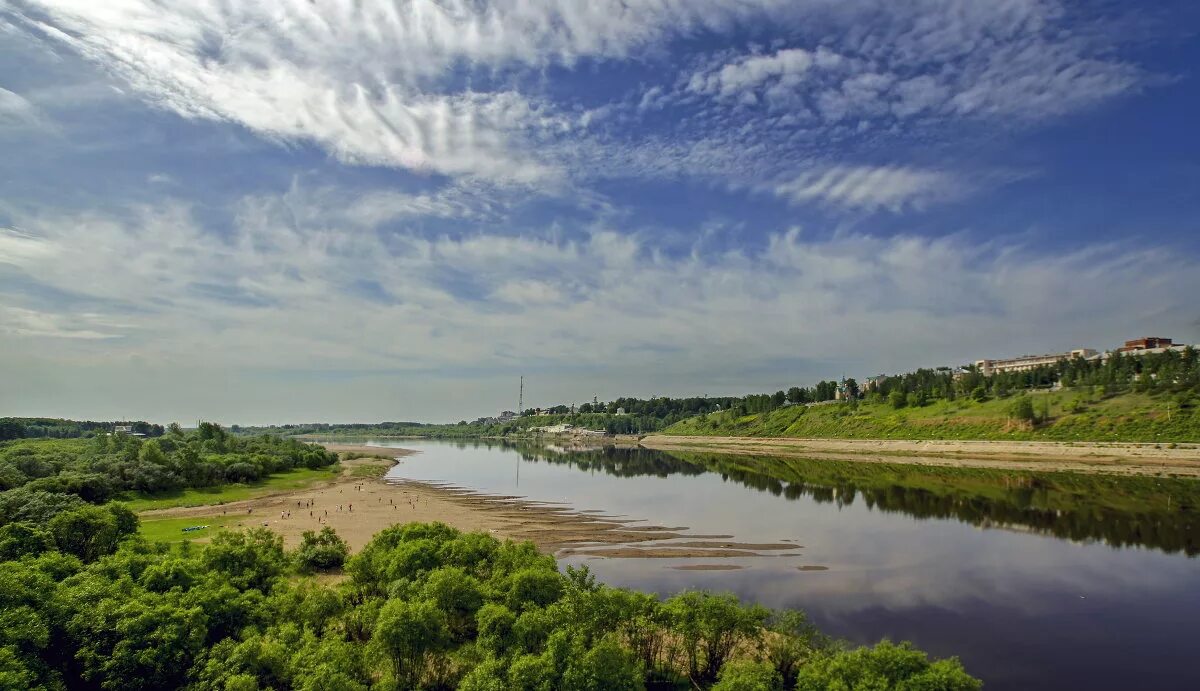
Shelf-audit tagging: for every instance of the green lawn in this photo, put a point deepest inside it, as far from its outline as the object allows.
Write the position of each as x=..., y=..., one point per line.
x=299, y=478
x=171, y=529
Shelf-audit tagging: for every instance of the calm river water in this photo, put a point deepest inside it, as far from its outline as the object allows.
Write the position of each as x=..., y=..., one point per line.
x=1027, y=598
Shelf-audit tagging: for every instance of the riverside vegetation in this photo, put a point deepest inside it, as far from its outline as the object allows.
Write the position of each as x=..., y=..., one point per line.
x=1067, y=415
x=421, y=607
x=87, y=602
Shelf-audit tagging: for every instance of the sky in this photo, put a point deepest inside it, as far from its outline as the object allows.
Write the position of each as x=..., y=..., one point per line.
x=355, y=210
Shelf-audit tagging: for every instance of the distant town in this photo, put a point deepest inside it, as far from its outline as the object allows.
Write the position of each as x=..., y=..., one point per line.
x=845, y=388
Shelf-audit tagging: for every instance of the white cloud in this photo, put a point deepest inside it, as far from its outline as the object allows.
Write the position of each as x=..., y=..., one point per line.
x=929, y=58
x=749, y=73
x=365, y=81
x=17, y=247
x=871, y=188
x=456, y=87
x=17, y=113
x=281, y=292
x=528, y=292
x=31, y=324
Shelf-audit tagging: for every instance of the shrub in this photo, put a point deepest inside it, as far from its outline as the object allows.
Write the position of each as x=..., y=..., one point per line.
x=322, y=551
x=748, y=675
x=886, y=666
x=1022, y=409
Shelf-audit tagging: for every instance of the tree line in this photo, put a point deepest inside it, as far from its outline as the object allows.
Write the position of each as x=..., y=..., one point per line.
x=1172, y=371
x=56, y=428
x=44, y=477
x=423, y=606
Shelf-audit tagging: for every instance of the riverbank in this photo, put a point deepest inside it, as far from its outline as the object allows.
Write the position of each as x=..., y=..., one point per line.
x=1176, y=460
x=359, y=504
x=1069, y=415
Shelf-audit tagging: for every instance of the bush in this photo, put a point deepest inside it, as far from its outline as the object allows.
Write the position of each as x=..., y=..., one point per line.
x=1022, y=409
x=886, y=666
x=322, y=551
x=748, y=675
x=19, y=540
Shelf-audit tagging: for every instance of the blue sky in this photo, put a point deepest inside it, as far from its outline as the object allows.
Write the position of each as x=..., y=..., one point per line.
x=296, y=210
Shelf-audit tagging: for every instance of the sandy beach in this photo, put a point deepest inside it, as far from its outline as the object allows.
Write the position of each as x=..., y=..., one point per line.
x=358, y=507
x=1181, y=460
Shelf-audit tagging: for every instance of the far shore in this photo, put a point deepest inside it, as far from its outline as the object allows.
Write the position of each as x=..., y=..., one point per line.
x=1181, y=460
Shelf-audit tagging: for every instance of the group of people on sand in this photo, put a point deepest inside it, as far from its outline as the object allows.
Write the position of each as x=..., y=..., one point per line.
x=322, y=515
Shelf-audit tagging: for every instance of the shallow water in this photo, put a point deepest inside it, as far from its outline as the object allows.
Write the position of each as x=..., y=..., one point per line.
x=986, y=579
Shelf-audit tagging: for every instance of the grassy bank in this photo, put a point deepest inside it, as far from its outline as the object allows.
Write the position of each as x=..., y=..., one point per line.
x=170, y=530
x=1068, y=416
x=296, y=479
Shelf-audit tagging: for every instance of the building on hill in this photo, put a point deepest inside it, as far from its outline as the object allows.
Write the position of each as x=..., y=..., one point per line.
x=126, y=429
x=1029, y=362
x=873, y=383
x=1145, y=343
x=1151, y=345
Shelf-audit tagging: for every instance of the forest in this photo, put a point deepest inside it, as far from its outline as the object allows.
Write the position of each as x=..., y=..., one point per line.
x=41, y=478
x=422, y=606
x=58, y=428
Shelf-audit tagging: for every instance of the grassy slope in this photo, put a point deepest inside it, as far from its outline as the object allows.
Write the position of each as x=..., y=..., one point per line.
x=1127, y=417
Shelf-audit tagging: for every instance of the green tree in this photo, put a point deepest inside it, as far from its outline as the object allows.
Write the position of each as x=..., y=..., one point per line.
x=248, y=559
x=90, y=532
x=407, y=635
x=748, y=675
x=897, y=399
x=708, y=627
x=790, y=641
x=322, y=551
x=886, y=666
x=19, y=540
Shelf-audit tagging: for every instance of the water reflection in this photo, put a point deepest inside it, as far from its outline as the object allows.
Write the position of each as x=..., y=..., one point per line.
x=907, y=553
x=1148, y=512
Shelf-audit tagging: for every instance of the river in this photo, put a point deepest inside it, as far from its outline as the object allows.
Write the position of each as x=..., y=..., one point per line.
x=1034, y=583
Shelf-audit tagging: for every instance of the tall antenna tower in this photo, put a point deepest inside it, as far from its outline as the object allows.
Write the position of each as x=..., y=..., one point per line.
x=521, y=398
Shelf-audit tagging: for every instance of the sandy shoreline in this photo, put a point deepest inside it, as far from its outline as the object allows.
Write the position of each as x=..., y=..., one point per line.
x=359, y=507
x=359, y=503
x=1086, y=457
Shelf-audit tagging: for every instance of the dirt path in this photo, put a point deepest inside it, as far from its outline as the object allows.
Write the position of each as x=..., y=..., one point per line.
x=359, y=507
x=1086, y=457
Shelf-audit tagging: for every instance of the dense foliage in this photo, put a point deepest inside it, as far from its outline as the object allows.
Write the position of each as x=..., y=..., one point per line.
x=43, y=477
x=38, y=427
x=424, y=607
x=1172, y=371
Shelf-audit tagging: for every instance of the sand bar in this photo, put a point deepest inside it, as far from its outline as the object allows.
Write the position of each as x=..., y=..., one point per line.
x=358, y=507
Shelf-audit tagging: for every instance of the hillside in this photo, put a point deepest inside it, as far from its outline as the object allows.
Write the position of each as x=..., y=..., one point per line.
x=1065, y=416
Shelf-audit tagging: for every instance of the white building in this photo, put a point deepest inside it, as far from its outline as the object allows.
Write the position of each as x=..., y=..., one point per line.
x=1029, y=362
